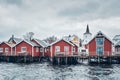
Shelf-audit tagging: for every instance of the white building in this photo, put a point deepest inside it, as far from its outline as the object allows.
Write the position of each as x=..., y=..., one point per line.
x=87, y=36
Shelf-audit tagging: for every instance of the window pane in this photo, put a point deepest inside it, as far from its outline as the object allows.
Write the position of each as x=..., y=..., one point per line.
x=99, y=50
x=6, y=50
x=99, y=41
x=1, y=49
x=37, y=49
x=41, y=49
x=23, y=49
x=66, y=49
x=57, y=49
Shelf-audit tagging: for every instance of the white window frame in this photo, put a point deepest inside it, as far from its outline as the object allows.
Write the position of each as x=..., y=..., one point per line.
x=23, y=48
x=57, y=48
x=45, y=49
x=1, y=49
x=41, y=49
x=37, y=49
x=66, y=48
x=6, y=50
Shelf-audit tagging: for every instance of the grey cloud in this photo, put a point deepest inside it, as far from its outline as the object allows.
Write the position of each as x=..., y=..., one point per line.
x=57, y=17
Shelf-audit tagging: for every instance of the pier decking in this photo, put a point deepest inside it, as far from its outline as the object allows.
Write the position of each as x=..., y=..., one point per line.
x=63, y=59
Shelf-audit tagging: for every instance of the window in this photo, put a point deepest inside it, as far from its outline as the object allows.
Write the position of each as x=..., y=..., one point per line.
x=100, y=50
x=45, y=50
x=23, y=49
x=6, y=50
x=57, y=48
x=1, y=49
x=41, y=49
x=37, y=49
x=66, y=48
x=73, y=49
x=83, y=50
x=99, y=41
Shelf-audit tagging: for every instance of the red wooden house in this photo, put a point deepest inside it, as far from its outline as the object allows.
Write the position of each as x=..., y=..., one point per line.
x=7, y=48
x=62, y=47
x=43, y=47
x=99, y=45
x=27, y=48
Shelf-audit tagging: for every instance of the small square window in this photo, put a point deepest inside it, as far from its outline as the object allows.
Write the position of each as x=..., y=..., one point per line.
x=41, y=49
x=37, y=49
x=1, y=49
x=23, y=49
x=6, y=50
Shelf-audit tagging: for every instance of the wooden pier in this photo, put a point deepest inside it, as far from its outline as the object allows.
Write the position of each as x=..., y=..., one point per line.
x=62, y=59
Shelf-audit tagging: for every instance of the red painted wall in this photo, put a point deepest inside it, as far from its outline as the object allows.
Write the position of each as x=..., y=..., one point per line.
x=36, y=54
x=41, y=53
x=23, y=44
x=107, y=47
x=92, y=47
x=3, y=45
x=61, y=43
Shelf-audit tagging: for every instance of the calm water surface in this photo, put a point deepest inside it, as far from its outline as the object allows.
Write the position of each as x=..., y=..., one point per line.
x=45, y=71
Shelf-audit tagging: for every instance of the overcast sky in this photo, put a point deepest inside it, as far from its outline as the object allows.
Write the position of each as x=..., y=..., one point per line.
x=58, y=17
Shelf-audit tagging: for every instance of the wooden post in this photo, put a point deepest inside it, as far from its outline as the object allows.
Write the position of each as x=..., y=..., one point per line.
x=58, y=61
x=66, y=60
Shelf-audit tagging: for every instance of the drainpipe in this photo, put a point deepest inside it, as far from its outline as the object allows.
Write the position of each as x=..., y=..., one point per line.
x=51, y=51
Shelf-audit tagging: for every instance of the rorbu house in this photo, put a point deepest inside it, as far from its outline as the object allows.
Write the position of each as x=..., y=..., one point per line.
x=100, y=45
x=62, y=48
x=43, y=46
x=28, y=48
x=7, y=48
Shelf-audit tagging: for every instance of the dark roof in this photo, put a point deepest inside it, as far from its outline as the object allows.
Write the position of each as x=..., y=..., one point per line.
x=87, y=30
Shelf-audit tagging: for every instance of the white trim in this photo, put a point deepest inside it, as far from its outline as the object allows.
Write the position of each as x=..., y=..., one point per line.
x=24, y=48
x=61, y=40
x=51, y=50
x=6, y=50
x=57, y=49
x=1, y=50
x=11, y=51
x=100, y=45
x=24, y=41
x=37, y=49
x=103, y=35
x=15, y=50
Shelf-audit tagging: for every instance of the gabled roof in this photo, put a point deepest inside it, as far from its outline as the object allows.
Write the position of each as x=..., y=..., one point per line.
x=61, y=40
x=40, y=42
x=29, y=42
x=17, y=40
x=98, y=35
x=9, y=44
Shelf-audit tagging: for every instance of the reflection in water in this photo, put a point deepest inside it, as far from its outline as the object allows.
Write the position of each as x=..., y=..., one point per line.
x=45, y=71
